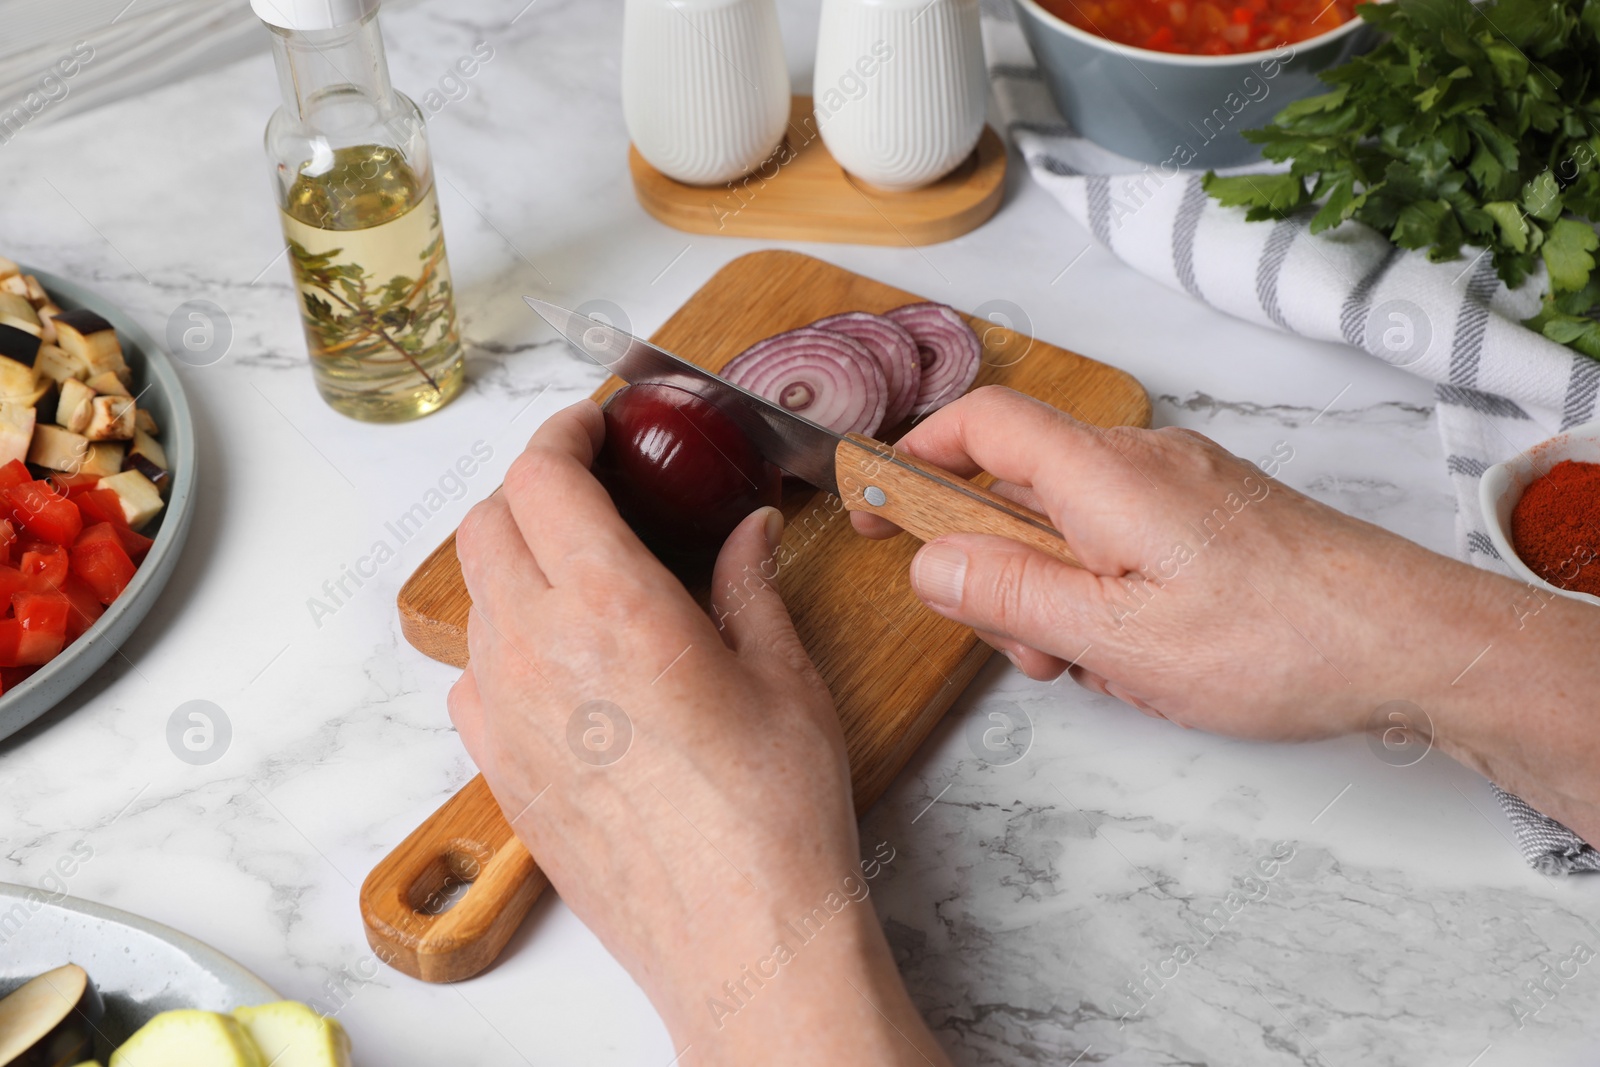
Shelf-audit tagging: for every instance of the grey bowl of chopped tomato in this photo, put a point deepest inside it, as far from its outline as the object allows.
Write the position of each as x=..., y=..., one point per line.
x=1174, y=83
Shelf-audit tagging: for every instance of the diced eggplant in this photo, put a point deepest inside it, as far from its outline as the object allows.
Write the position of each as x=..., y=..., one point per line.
x=19, y=345
x=104, y=458
x=15, y=283
x=47, y=319
x=159, y=477
x=58, y=449
x=75, y=407
x=111, y=419
x=290, y=1034
x=147, y=446
x=141, y=500
x=146, y=422
x=8, y=269
x=16, y=379
x=15, y=311
x=50, y=1020
x=108, y=384
x=16, y=431
x=58, y=365
x=92, y=341
x=188, y=1038
x=36, y=294
x=18, y=384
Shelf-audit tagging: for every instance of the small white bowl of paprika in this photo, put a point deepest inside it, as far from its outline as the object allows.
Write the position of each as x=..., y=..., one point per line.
x=1542, y=510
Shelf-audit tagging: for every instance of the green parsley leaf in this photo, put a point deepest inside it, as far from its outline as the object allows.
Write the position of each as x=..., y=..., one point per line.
x=1566, y=254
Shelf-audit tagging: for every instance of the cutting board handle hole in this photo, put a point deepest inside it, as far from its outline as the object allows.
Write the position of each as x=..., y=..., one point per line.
x=445, y=880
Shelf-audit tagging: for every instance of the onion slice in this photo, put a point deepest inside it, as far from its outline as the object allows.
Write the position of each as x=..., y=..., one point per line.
x=825, y=376
x=948, y=350
x=893, y=348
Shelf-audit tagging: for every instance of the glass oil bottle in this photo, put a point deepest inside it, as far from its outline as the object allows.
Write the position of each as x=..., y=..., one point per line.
x=354, y=181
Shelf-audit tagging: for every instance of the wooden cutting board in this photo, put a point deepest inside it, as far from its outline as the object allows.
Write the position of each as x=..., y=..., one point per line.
x=893, y=666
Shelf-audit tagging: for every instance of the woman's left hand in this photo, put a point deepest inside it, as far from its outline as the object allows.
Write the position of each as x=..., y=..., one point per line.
x=684, y=785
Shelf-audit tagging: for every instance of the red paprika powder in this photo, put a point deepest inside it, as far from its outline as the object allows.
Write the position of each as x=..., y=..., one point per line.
x=1555, y=527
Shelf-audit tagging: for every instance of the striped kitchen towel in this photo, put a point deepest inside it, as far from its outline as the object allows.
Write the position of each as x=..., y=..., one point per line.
x=1501, y=387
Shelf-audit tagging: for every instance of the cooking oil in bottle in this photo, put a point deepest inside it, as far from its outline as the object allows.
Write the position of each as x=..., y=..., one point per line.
x=360, y=217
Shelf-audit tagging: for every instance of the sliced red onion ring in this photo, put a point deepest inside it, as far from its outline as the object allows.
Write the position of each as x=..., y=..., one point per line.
x=949, y=352
x=893, y=348
x=825, y=376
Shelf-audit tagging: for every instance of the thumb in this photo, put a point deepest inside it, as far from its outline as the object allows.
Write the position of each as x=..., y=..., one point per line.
x=999, y=586
x=745, y=603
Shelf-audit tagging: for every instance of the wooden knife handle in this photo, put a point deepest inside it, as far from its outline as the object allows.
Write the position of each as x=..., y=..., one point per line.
x=406, y=900
x=928, y=502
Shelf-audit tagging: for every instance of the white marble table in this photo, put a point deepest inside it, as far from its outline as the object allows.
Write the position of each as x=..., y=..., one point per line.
x=1024, y=899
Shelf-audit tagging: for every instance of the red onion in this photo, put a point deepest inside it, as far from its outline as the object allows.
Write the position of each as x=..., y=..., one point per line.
x=893, y=348
x=827, y=377
x=949, y=352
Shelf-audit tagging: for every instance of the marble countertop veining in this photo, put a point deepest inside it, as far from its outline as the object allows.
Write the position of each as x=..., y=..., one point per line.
x=1072, y=907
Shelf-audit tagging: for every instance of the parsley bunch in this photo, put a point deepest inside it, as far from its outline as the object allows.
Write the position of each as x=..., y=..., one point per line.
x=1469, y=124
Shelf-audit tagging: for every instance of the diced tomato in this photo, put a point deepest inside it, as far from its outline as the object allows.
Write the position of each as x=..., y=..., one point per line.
x=73, y=484
x=39, y=631
x=100, y=560
x=8, y=540
x=11, y=677
x=13, y=474
x=100, y=505
x=45, y=562
x=43, y=512
x=86, y=608
x=12, y=582
x=137, y=545
x=43, y=612
x=1204, y=27
x=25, y=648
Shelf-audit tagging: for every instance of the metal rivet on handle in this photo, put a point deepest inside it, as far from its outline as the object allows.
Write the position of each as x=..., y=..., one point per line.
x=875, y=496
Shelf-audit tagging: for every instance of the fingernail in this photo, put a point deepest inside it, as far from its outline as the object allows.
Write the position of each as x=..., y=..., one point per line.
x=1012, y=656
x=774, y=528
x=1115, y=690
x=939, y=574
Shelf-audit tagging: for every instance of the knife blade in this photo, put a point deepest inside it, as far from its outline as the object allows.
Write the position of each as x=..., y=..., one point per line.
x=867, y=475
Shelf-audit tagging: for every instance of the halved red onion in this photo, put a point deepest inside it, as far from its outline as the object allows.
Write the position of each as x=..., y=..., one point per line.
x=948, y=350
x=825, y=376
x=893, y=348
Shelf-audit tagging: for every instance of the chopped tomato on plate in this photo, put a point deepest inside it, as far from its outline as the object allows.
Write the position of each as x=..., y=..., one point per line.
x=99, y=559
x=43, y=512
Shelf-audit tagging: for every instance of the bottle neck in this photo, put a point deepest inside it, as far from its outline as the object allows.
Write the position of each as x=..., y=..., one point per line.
x=336, y=81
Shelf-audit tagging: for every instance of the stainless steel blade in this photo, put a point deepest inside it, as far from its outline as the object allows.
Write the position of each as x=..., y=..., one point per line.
x=797, y=445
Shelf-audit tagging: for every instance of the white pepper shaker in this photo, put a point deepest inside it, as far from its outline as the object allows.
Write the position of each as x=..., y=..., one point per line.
x=705, y=89
x=901, y=90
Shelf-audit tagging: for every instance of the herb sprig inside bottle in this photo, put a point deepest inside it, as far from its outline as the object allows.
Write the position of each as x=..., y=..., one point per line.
x=360, y=215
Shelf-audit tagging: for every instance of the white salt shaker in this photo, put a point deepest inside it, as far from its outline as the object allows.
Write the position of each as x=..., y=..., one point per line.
x=900, y=89
x=705, y=90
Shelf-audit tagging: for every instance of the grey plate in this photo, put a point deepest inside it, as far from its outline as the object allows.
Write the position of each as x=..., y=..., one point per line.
x=140, y=967
x=163, y=397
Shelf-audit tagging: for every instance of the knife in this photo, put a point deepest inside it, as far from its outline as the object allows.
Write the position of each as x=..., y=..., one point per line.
x=868, y=475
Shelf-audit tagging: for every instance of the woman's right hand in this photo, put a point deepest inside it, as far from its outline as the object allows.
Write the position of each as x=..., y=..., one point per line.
x=1210, y=594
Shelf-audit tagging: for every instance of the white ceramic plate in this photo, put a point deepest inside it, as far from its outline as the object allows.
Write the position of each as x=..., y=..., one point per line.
x=162, y=395
x=1502, y=486
x=140, y=967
